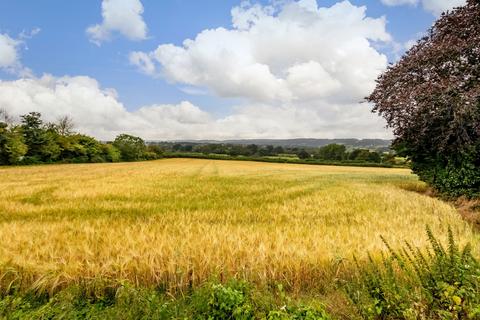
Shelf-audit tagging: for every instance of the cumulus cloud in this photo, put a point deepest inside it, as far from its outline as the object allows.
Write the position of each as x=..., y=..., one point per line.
x=299, y=69
x=119, y=16
x=294, y=52
x=434, y=6
x=10, y=53
x=99, y=112
x=9, y=57
x=143, y=62
x=439, y=6
x=296, y=69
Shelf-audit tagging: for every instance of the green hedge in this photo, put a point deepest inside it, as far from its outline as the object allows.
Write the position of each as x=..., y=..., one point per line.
x=349, y=163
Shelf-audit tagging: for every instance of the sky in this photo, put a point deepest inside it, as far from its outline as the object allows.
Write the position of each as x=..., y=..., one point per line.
x=212, y=69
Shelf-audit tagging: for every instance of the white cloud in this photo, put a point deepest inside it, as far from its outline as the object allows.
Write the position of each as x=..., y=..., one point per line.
x=10, y=53
x=9, y=57
x=143, y=62
x=436, y=7
x=119, y=16
x=97, y=111
x=410, y=44
x=300, y=69
x=260, y=57
x=439, y=6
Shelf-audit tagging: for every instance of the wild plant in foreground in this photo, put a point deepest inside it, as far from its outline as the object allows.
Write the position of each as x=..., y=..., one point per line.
x=438, y=283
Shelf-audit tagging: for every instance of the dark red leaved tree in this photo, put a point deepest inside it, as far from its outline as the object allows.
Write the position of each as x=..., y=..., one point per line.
x=431, y=99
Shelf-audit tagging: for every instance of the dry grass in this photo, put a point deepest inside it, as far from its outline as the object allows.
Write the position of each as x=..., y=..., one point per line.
x=178, y=222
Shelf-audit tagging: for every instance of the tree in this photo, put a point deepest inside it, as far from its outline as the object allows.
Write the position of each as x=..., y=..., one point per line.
x=131, y=148
x=65, y=125
x=237, y=150
x=431, y=99
x=110, y=153
x=41, y=140
x=154, y=148
x=331, y=152
x=303, y=154
x=252, y=149
x=278, y=150
x=12, y=147
x=266, y=151
x=33, y=132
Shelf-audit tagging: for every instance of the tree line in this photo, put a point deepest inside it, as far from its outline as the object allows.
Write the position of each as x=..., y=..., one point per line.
x=33, y=141
x=331, y=152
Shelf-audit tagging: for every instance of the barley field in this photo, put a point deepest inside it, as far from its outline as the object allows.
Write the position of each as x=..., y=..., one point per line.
x=178, y=222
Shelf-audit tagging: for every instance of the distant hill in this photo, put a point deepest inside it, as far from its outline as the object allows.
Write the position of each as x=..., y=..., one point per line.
x=306, y=143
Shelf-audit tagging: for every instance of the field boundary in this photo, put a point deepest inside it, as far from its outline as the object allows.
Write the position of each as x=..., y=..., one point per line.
x=346, y=163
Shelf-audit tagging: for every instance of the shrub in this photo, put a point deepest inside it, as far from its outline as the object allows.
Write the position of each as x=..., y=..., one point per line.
x=228, y=303
x=297, y=313
x=150, y=156
x=410, y=284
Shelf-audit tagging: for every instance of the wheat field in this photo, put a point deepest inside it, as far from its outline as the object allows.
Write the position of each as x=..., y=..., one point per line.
x=178, y=222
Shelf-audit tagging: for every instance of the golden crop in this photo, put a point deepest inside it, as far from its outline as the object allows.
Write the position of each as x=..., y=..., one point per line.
x=176, y=223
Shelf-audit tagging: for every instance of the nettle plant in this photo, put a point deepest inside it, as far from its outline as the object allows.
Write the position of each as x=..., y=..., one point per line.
x=438, y=283
x=431, y=99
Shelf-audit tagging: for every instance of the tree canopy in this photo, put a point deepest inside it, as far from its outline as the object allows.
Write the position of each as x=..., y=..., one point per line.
x=431, y=99
x=131, y=148
x=33, y=141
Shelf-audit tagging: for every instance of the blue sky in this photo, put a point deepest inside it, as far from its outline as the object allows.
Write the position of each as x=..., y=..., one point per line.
x=62, y=48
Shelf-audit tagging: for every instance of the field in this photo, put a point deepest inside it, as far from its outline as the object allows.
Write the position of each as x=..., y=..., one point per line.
x=178, y=222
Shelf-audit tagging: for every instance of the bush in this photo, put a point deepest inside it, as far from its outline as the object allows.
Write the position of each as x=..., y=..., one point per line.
x=150, y=156
x=228, y=303
x=410, y=284
x=460, y=177
x=302, y=312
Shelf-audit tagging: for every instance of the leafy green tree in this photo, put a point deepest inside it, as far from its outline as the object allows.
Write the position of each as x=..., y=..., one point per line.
x=365, y=155
x=131, y=148
x=33, y=133
x=278, y=150
x=303, y=154
x=156, y=149
x=12, y=147
x=40, y=139
x=331, y=152
x=111, y=153
x=431, y=99
x=374, y=157
x=251, y=149
x=266, y=151
x=50, y=150
x=92, y=147
x=237, y=150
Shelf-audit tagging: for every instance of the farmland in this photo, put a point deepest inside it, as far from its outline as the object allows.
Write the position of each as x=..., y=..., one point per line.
x=177, y=223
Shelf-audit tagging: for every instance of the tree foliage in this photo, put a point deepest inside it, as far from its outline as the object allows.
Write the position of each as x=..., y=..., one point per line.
x=431, y=99
x=12, y=147
x=131, y=148
x=33, y=141
x=332, y=152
